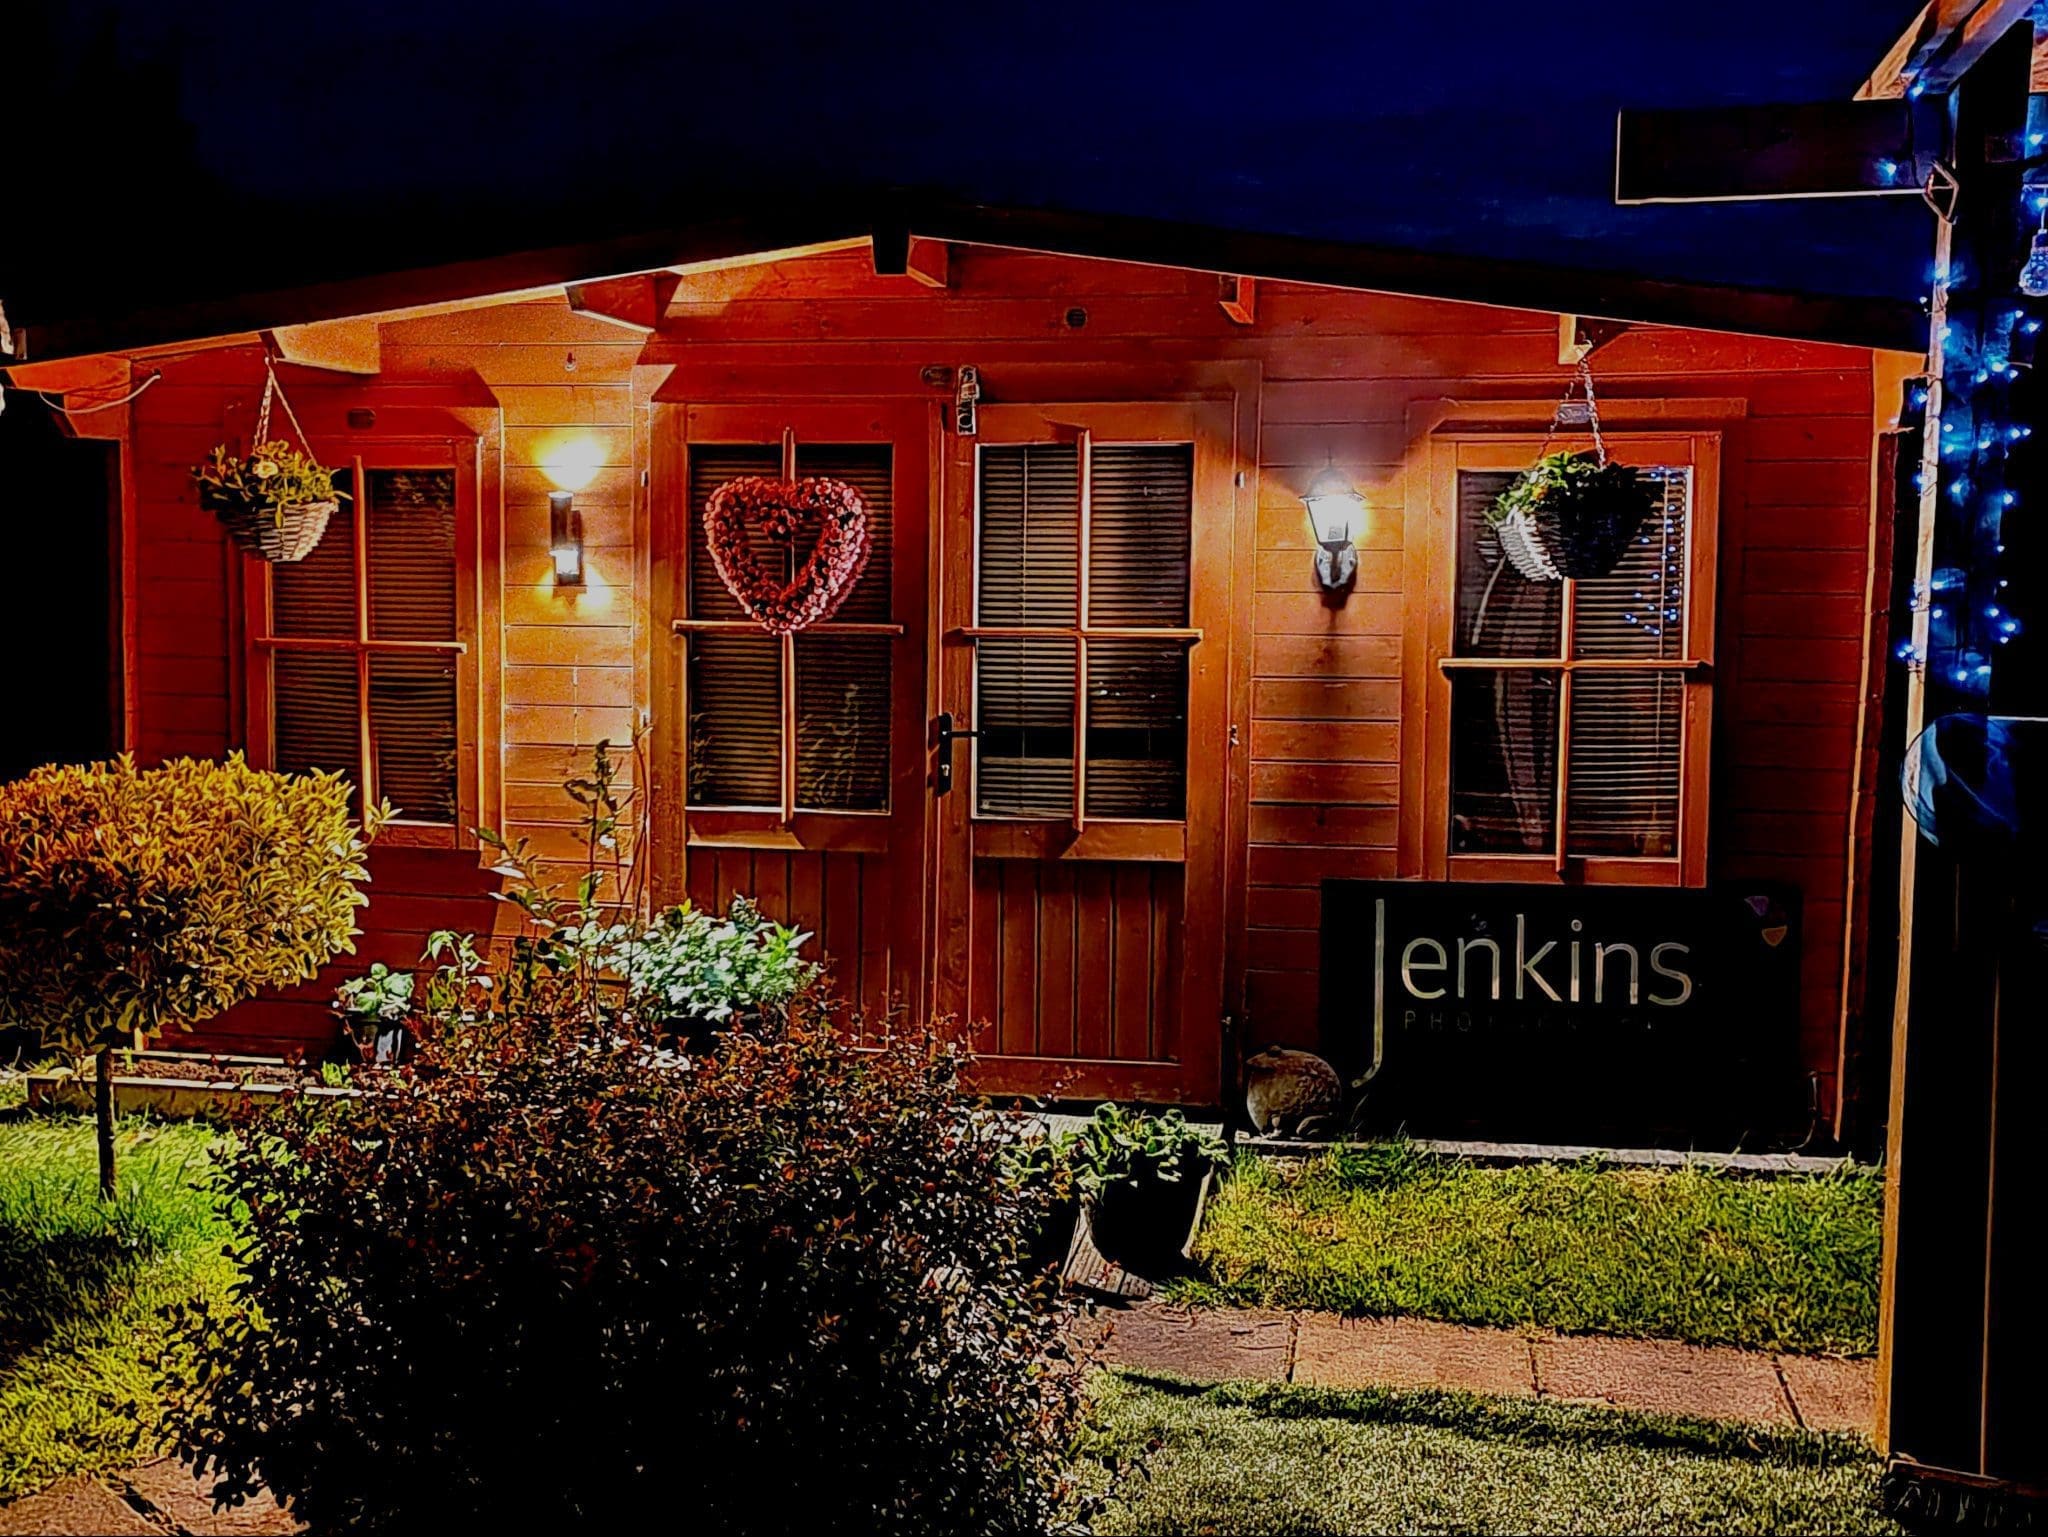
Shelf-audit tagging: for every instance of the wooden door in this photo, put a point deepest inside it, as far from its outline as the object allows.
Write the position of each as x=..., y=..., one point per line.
x=791, y=768
x=1083, y=635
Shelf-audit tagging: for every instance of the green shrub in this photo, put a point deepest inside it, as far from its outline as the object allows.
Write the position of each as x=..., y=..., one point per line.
x=688, y=966
x=551, y=1276
x=145, y=899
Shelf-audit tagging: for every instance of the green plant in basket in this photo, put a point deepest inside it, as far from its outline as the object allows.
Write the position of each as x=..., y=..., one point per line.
x=1135, y=1147
x=271, y=477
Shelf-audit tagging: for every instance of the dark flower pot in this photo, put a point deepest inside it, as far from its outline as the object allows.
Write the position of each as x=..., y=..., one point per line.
x=1047, y=1243
x=1575, y=536
x=1148, y=1226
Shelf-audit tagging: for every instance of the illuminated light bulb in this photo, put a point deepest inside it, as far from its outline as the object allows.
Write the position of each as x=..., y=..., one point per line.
x=1887, y=171
x=572, y=463
x=2034, y=275
x=2009, y=497
x=1938, y=613
x=1961, y=489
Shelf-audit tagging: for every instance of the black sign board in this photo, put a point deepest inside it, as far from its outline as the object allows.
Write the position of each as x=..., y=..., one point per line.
x=1566, y=1014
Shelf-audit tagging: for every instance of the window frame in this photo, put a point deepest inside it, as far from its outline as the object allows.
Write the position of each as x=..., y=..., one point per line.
x=1433, y=652
x=262, y=644
x=1079, y=835
x=789, y=825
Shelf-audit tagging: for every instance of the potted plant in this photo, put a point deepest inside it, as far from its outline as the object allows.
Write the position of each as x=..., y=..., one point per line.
x=1039, y=1167
x=274, y=501
x=1570, y=515
x=373, y=1009
x=1143, y=1178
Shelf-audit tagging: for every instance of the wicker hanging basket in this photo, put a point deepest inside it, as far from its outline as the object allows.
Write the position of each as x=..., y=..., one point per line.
x=280, y=534
x=1572, y=515
x=231, y=488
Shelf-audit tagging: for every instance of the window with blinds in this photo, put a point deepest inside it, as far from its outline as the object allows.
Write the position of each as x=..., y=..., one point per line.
x=1083, y=597
x=839, y=759
x=363, y=645
x=1596, y=746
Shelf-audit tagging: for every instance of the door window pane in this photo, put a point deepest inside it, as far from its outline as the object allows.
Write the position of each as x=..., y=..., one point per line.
x=1638, y=608
x=1500, y=612
x=1030, y=532
x=842, y=722
x=1627, y=731
x=1141, y=499
x=1025, y=697
x=1504, y=762
x=412, y=731
x=1137, y=729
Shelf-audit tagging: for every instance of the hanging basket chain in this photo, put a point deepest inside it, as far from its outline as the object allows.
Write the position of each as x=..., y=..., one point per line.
x=1582, y=379
x=274, y=390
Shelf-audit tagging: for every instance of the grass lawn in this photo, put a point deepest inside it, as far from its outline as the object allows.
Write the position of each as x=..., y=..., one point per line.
x=1785, y=1264
x=80, y=1335
x=1247, y=1458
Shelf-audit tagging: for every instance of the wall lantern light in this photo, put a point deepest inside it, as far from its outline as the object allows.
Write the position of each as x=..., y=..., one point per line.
x=565, y=538
x=1336, y=512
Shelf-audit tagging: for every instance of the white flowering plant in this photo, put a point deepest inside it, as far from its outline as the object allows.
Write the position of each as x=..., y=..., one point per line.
x=269, y=478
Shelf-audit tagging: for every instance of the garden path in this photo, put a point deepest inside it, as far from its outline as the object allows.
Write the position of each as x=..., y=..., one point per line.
x=1656, y=1376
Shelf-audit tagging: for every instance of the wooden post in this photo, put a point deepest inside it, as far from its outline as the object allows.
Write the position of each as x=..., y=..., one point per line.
x=1960, y=1354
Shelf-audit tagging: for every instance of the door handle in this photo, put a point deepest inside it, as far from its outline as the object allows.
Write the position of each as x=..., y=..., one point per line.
x=946, y=734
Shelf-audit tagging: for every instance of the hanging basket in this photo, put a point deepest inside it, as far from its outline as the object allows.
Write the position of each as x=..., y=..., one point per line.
x=279, y=534
x=1571, y=515
x=275, y=500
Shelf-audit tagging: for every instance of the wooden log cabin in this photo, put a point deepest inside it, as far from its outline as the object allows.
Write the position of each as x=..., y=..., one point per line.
x=1102, y=566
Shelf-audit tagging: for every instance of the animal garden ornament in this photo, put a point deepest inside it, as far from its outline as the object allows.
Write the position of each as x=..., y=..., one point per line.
x=782, y=509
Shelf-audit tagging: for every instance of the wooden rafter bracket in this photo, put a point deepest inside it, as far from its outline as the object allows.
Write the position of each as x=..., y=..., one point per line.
x=898, y=253
x=339, y=346
x=634, y=303
x=1580, y=336
x=90, y=394
x=1239, y=297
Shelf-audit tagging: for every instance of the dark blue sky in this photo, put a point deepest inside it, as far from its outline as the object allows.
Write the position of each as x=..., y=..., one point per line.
x=1483, y=128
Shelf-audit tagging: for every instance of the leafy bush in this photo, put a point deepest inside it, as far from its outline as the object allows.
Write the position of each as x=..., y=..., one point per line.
x=1132, y=1147
x=141, y=899
x=688, y=965
x=380, y=996
x=551, y=1276
x=271, y=476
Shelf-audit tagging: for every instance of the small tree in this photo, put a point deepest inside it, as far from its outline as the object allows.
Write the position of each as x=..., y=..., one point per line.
x=140, y=899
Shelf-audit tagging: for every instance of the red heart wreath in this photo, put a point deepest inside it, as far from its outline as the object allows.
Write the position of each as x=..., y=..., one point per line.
x=781, y=508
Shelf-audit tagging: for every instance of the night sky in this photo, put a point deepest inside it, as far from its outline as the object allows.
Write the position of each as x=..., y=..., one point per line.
x=1481, y=128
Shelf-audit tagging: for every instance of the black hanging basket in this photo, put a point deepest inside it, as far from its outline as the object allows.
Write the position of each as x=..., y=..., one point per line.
x=1571, y=516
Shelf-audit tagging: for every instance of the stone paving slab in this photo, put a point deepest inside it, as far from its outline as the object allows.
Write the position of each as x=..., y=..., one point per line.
x=1206, y=1344
x=1663, y=1377
x=74, y=1507
x=184, y=1500
x=1654, y=1376
x=1336, y=1352
x=1831, y=1394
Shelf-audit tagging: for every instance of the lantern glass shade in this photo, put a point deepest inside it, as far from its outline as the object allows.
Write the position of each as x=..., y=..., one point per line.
x=565, y=538
x=1336, y=513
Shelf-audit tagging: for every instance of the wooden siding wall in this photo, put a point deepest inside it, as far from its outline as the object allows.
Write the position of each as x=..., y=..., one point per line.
x=1341, y=373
